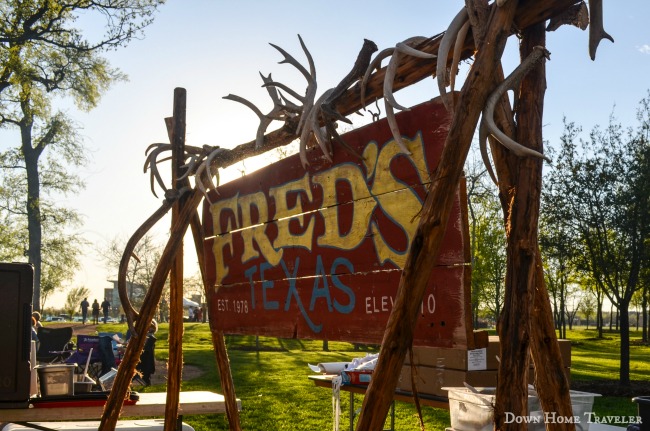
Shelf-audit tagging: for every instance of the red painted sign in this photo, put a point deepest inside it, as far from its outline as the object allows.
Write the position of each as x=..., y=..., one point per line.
x=318, y=254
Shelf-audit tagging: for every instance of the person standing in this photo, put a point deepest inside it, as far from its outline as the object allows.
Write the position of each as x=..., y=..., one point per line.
x=35, y=332
x=95, y=312
x=36, y=315
x=84, y=310
x=106, y=307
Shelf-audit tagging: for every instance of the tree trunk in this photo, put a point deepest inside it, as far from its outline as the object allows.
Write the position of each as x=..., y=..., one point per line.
x=599, y=316
x=122, y=383
x=624, y=375
x=562, y=314
x=475, y=289
x=34, y=227
x=644, y=306
x=550, y=381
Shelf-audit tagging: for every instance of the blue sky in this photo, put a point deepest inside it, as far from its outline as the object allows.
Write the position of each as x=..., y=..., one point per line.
x=214, y=48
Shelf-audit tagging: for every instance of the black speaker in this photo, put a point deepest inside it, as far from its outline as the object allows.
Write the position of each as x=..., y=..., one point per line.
x=16, y=291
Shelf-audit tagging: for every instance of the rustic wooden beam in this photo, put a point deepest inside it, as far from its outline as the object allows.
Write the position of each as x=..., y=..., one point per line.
x=410, y=71
x=175, y=366
x=551, y=381
x=520, y=189
x=435, y=214
x=521, y=207
x=131, y=357
x=122, y=383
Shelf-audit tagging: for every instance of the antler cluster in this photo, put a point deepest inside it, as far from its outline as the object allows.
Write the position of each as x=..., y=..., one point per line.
x=314, y=111
x=199, y=163
x=317, y=116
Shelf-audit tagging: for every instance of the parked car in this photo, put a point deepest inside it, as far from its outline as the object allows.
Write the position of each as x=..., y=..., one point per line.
x=54, y=319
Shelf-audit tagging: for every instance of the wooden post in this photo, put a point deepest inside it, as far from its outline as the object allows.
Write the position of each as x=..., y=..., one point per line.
x=428, y=236
x=521, y=205
x=175, y=367
x=520, y=182
x=147, y=312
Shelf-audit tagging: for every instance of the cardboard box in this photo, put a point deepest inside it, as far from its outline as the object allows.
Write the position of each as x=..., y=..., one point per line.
x=431, y=380
x=468, y=360
x=457, y=359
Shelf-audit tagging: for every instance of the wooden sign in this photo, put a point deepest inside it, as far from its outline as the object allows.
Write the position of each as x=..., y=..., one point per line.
x=318, y=253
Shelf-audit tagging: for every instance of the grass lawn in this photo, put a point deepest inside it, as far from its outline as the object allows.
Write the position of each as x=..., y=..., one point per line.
x=276, y=394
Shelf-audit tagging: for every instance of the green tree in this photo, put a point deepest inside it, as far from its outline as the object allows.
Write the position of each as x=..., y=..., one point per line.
x=588, y=306
x=490, y=260
x=59, y=247
x=10, y=245
x=74, y=298
x=602, y=191
x=44, y=56
x=487, y=240
x=637, y=304
x=645, y=281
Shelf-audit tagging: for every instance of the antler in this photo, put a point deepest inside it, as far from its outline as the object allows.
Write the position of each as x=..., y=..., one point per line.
x=206, y=171
x=405, y=47
x=509, y=83
x=374, y=64
x=596, y=30
x=152, y=161
x=310, y=76
x=314, y=112
x=192, y=156
x=452, y=34
x=279, y=112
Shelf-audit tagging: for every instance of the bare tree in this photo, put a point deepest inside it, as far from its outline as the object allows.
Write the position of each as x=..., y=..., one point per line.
x=141, y=266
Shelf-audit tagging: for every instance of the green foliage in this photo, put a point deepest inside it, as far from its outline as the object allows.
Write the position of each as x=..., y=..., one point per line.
x=489, y=261
x=44, y=56
x=488, y=243
x=275, y=392
x=597, y=206
x=74, y=298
